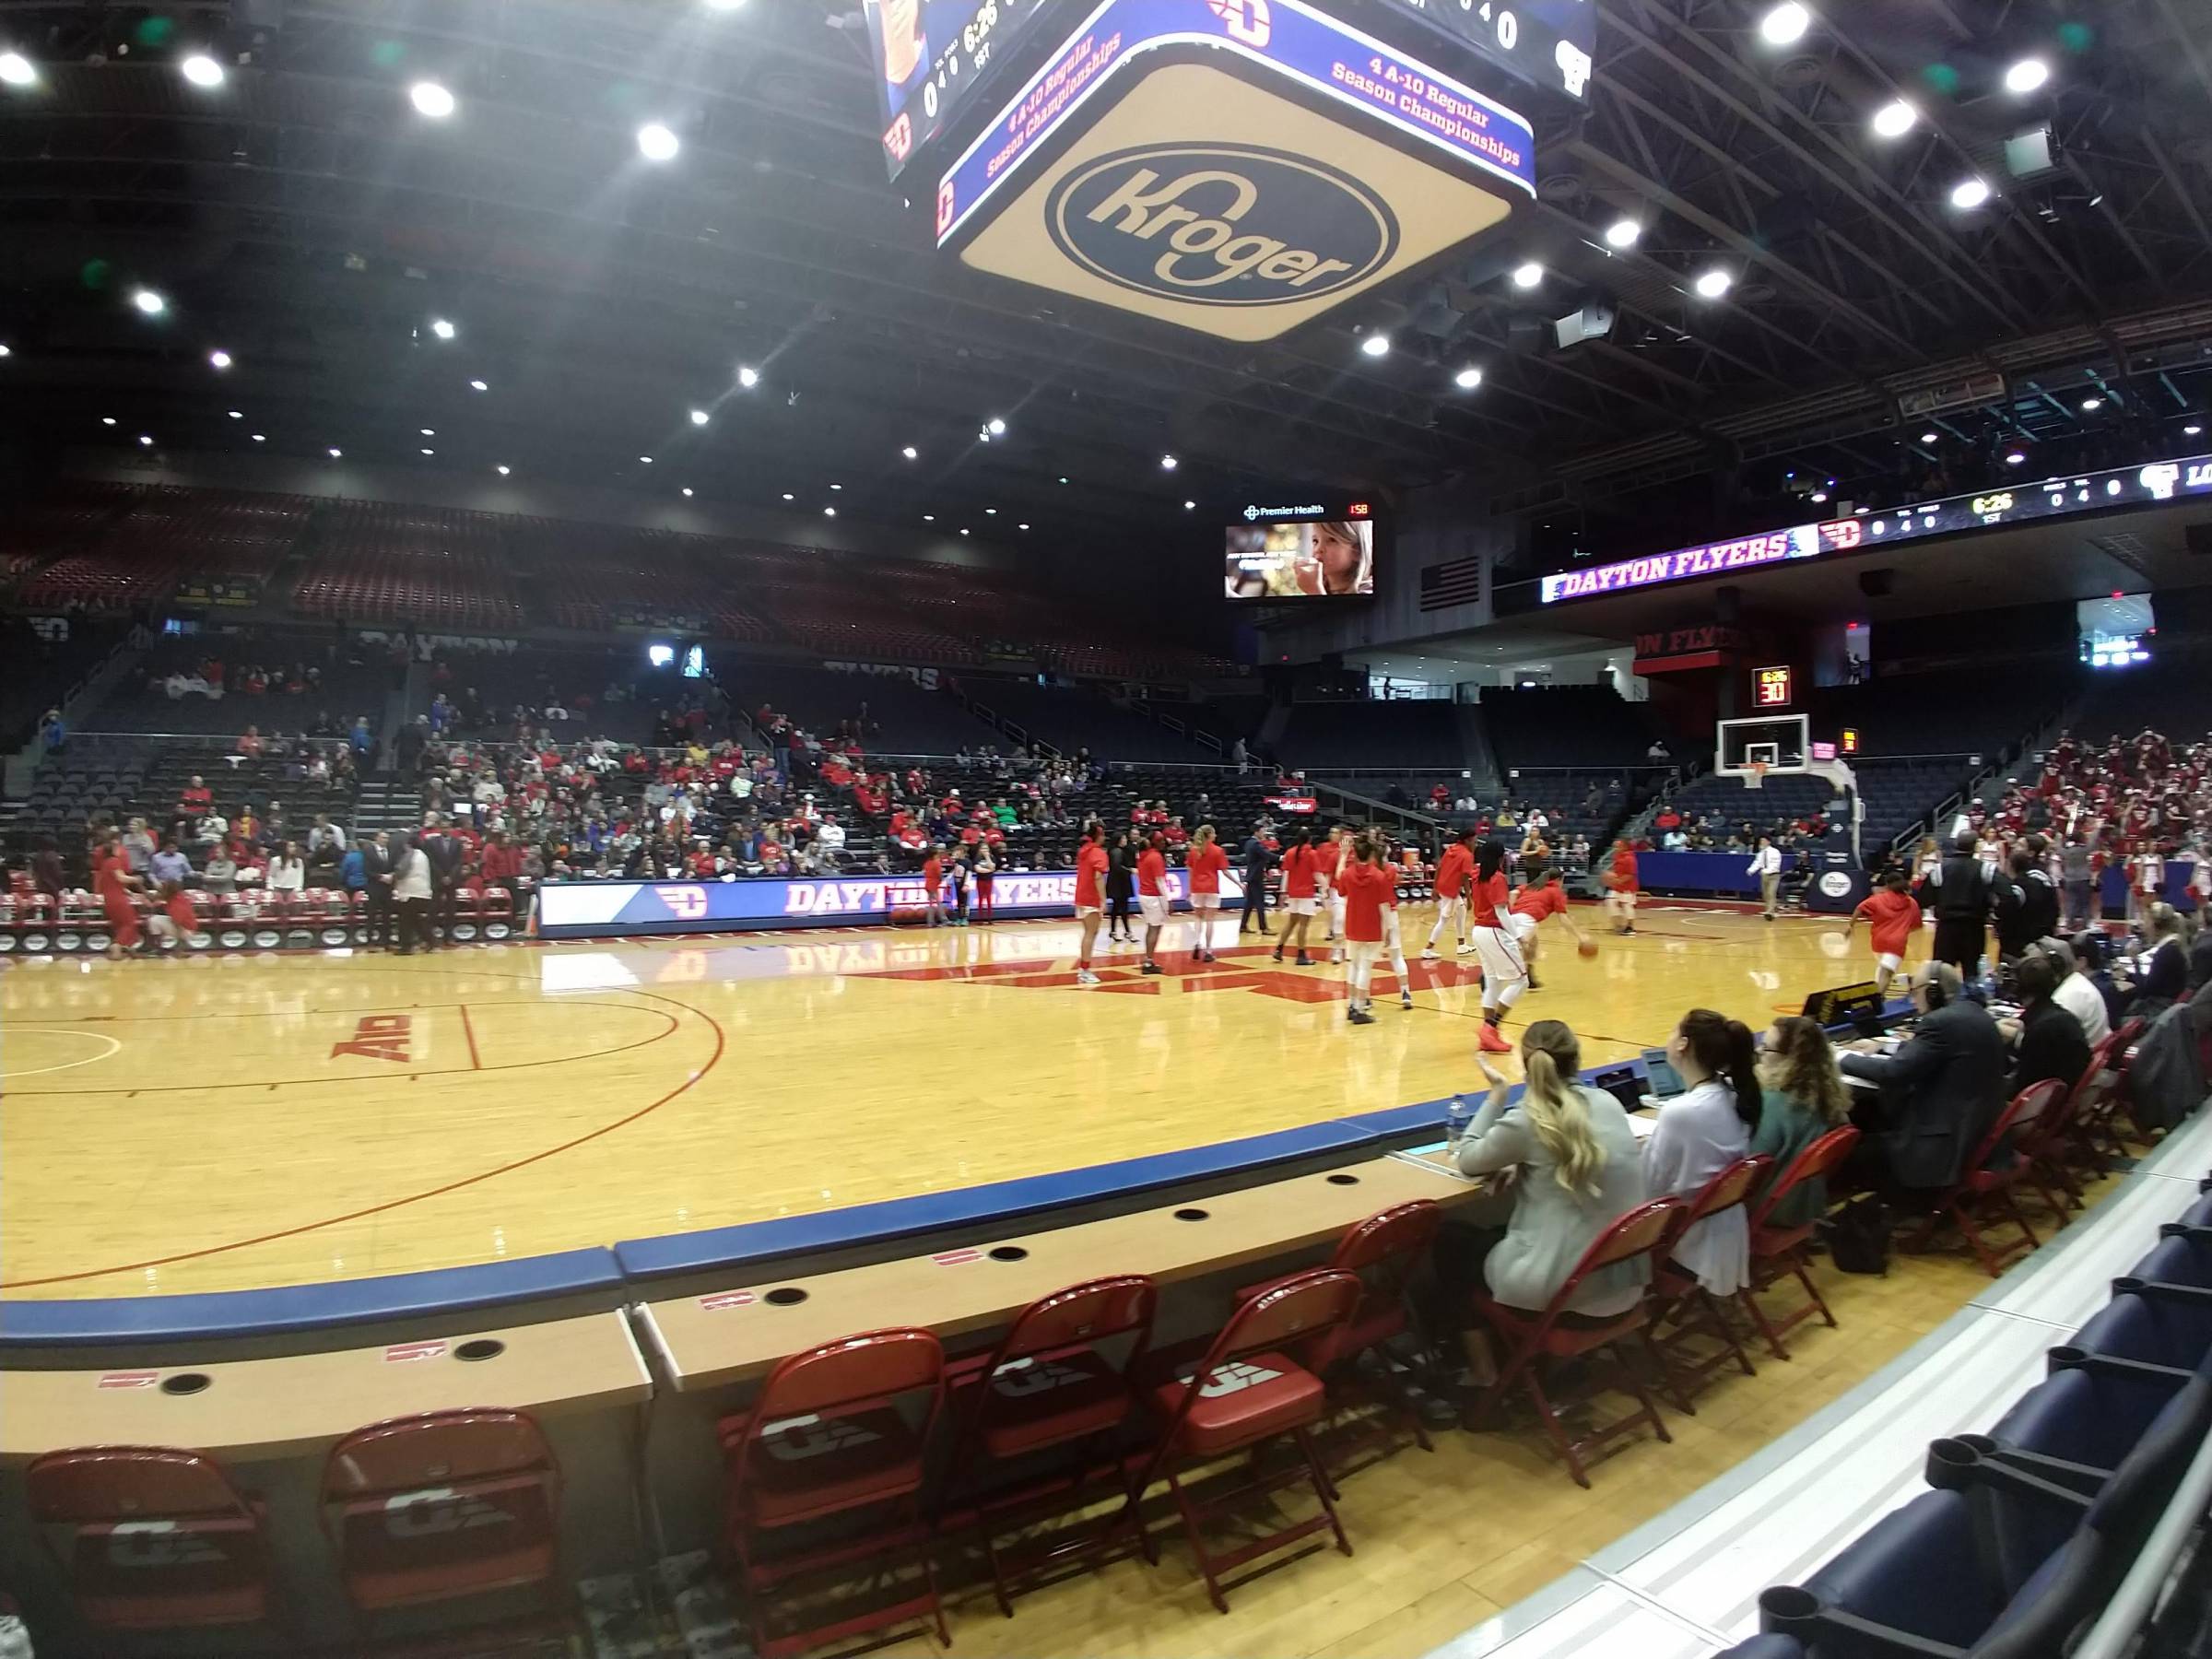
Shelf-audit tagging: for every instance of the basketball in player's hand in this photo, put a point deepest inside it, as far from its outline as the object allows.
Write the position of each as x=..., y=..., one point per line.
x=1588, y=947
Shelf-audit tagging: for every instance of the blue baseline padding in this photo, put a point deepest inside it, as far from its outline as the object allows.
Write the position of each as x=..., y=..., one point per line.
x=1000, y=1201
x=1703, y=872
x=207, y=1315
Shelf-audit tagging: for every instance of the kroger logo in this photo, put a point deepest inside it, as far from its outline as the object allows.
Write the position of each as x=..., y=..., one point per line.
x=1221, y=224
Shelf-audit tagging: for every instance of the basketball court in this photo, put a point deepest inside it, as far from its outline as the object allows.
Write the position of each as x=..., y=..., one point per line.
x=235, y=1122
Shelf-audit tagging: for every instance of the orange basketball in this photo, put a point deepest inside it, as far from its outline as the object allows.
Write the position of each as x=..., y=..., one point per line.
x=1587, y=947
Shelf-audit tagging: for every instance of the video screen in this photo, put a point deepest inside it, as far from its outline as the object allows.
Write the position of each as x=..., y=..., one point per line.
x=1322, y=558
x=2115, y=632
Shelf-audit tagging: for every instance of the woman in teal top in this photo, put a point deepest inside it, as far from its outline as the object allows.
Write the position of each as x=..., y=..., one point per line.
x=1804, y=1097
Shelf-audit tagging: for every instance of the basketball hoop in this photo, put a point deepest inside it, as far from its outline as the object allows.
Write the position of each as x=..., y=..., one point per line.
x=1757, y=777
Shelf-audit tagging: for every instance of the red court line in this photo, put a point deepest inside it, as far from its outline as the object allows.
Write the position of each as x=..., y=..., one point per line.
x=721, y=1042
x=469, y=1031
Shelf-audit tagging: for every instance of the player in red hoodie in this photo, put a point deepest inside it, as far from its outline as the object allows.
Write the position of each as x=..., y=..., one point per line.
x=1497, y=947
x=1205, y=861
x=1091, y=862
x=1893, y=915
x=1152, y=899
x=1451, y=873
x=1364, y=882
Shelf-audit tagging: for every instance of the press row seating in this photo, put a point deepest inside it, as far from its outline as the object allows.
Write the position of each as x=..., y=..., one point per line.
x=37, y=924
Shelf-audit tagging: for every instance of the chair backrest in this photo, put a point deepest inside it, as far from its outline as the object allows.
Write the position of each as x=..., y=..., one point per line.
x=1639, y=1232
x=445, y=1449
x=2019, y=1115
x=1388, y=1246
x=1731, y=1187
x=1815, y=1163
x=851, y=1373
x=1294, y=1311
x=1082, y=1316
x=150, y=1537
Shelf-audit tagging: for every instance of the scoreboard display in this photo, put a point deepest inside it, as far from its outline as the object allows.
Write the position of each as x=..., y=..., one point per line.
x=2052, y=498
x=1545, y=42
x=930, y=57
x=1771, y=688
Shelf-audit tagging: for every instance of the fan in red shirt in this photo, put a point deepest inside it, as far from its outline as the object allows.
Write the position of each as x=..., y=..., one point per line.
x=1893, y=915
x=1532, y=905
x=1300, y=863
x=1504, y=969
x=1364, y=883
x=1091, y=862
x=1451, y=873
x=1621, y=888
x=1152, y=899
x=1205, y=861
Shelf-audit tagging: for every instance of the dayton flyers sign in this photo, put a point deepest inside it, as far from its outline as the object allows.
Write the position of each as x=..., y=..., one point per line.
x=583, y=909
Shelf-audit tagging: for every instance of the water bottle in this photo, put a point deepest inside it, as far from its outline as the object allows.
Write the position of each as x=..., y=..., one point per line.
x=1456, y=1122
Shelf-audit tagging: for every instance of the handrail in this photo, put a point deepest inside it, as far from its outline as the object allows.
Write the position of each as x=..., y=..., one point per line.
x=2138, y=1593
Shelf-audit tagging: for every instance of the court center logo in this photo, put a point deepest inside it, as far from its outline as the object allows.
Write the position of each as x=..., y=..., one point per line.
x=1221, y=224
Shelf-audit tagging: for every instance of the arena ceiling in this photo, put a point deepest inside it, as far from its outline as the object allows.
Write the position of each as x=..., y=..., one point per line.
x=304, y=218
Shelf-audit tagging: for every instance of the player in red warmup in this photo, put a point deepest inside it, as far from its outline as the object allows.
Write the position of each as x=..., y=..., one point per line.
x=1621, y=888
x=1299, y=864
x=1451, y=873
x=1540, y=900
x=1091, y=860
x=1205, y=860
x=1504, y=970
x=112, y=881
x=933, y=884
x=1893, y=915
x=1363, y=882
x=1152, y=899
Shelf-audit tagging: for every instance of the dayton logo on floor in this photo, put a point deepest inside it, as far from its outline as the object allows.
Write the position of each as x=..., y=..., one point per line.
x=1257, y=972
x=379, y=1037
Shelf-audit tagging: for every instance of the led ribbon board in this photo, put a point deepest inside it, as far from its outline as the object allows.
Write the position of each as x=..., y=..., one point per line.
x=2052, y=498
x=1237, y=167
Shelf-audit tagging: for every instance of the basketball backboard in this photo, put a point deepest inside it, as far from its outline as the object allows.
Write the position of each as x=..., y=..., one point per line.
x=1767, y=746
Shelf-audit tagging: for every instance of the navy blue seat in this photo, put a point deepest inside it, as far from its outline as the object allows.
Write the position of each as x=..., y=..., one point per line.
x=2182, y=1258
x=1765, y=1647
x=2149, y=1323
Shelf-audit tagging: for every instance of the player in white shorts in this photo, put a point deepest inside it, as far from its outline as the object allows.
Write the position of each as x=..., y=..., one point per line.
x=1496, y=948
x=1333, y=857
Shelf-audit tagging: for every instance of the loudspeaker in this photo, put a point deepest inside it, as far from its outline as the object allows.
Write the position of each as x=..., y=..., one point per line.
x=1876, y=584
x=2199, y=539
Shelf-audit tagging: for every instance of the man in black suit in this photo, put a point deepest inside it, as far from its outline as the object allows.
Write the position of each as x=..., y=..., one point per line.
x=1941, y=1090
x=2050, y=1040
x=380, y=864
x=444, y=854
x=1258, y=860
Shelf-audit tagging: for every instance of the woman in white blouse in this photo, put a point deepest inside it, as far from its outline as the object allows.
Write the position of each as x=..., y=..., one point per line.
x=1701, y=1133
x=288, y=870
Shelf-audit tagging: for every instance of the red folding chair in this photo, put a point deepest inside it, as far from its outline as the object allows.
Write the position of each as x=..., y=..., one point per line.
x=2048, y=1146
x=1044, y=1388
x=1384, y=1250
x=1779, y=1252
x=1234, y=1393
x=1984, y=1183
x=826, y=1438
x=1685, y=1305
x=1558, y=1334
x=151, y=1540
x=444, y=1506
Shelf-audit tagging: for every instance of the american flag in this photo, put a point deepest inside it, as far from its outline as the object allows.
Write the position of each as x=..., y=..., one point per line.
x=1455, y=582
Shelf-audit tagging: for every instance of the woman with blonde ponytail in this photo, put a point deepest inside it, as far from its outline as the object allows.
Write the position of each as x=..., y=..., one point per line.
x=1565, y=1166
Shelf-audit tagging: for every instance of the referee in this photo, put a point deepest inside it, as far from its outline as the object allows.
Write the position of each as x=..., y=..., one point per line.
x=1959, y=888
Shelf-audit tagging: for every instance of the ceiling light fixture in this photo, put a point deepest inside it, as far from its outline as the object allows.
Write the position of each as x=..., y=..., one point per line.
x=1623, y=233
x=146, y=440
x=107, y=420
x=427, y=433
x=478, y=387
x=202, y=70
x=500, y=470
x=2191, y=431
x=929, y=518
x=1528, y=276
x=442, y=329
x=1168, y=464
x=910, y=453
x=645, y=460
x=235, y=413
x=701, y=417
x=1021, y=526
x=1189, y=506
x=1376, y=345
x=828, y=512
x=15, y=70
x=789, y=497
x=337, y=455
x=748, y=377
x=687, y=489
x=1930, y=438
x=1970, y=193
x=430, y=98
x=656, y=143
x=219, y=359
x=1895, y=119
x=2089, y=405
x=1467, y=379
x=148, y=301
x=1784, y=24
x=259, y=438
x=429, y=451
x=1714, y=284
x=996, y=426
x=2026, y=75
x=2014, y=458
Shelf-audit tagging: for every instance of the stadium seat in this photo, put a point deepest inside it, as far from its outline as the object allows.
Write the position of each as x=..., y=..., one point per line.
x=1045, y=1388
x=826, y=1439
x=1548, y=1339
x=441, y=1507
x=151, y=1540
x=1234, y=1393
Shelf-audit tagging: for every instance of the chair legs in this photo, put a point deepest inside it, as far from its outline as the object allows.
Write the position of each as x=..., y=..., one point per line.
x=1792, y=1263
x=1524, y=1369
x=1213, y=1566
x=1960, y=1213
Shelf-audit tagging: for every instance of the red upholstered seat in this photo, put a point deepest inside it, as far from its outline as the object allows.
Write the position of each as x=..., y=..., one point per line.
x=1239, y=1402
x=1045, y=1403
x=804, y=1468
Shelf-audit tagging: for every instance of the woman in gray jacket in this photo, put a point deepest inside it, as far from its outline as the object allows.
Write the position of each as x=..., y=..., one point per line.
x=1564, y=1165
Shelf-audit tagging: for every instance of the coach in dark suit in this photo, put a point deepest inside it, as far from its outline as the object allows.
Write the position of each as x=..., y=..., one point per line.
x=380, y=866
x=1943, y=1088
x=1258, y=860
x=444, y=854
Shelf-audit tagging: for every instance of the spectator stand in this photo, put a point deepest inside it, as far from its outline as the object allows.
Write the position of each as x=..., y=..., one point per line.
x=1689, y=1582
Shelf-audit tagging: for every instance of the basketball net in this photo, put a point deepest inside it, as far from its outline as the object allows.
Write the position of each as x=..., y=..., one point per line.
x=1757, y=778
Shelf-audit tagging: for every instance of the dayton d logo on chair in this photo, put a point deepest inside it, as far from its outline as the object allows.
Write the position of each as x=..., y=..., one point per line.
x=1216, y=224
